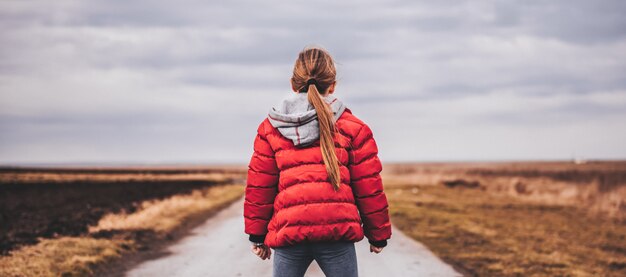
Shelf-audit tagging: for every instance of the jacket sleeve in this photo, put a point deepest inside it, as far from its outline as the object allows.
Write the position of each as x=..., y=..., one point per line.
x=367, y=186
x=261, y=188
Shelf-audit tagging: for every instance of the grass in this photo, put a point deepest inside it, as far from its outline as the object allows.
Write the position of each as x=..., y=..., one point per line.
x=493, y=235
x=165, y=215
x=79, y=256
x=597, y=186
x=54, y=202
x=66, y=256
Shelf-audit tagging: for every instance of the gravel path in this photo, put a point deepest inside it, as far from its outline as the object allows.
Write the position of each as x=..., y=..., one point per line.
x=220, y=248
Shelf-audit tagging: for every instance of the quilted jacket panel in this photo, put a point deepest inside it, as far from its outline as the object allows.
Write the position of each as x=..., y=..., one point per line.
x=289, y=200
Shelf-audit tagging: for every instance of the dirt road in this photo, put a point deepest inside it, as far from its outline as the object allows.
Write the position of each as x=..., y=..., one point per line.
x=220, y=248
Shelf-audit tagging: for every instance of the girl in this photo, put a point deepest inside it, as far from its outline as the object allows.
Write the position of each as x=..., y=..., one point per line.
x=314, y=185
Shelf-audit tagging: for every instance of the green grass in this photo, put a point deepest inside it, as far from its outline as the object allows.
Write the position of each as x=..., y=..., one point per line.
x=487, y=235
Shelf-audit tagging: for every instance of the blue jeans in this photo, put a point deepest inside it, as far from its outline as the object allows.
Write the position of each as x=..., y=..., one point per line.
x=334, y=258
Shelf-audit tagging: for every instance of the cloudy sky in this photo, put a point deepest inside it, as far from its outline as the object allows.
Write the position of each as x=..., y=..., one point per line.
x=189, y=81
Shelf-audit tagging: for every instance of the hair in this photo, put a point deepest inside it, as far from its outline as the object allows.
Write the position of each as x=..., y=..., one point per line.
x=316, y=63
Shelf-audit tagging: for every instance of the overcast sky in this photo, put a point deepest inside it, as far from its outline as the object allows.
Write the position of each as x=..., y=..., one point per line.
x=189, y=81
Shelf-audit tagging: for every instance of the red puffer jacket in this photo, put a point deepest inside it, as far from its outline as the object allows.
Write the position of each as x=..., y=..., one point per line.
x=288, y=198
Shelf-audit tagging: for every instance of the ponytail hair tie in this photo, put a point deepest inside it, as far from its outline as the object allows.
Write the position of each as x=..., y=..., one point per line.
x=309, y=82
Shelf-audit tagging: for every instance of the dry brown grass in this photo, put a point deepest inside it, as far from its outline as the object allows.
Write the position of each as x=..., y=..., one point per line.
x=78, y=256
x=67, y=177
x=165, y=215
x=50, y=202
x=597, y=187
x=488, y=234
x=51, y=175
x=66, y=256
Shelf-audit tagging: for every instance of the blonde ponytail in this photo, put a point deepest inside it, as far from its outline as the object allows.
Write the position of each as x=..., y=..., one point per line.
x=327, y=133
x=314, y=72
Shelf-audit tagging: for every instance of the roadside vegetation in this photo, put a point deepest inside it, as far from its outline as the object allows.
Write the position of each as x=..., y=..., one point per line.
x=486, y=234
x=103, y=219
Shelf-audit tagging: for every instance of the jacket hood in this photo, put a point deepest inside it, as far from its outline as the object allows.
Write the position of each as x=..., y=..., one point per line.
x=296, y=119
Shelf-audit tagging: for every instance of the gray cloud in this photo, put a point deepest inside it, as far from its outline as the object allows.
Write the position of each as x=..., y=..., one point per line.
x=149, y=81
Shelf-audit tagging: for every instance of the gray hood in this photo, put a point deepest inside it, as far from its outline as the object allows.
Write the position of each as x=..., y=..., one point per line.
x=296, y=119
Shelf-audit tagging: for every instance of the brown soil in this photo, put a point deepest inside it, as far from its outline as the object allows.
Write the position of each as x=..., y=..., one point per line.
x=52, y=206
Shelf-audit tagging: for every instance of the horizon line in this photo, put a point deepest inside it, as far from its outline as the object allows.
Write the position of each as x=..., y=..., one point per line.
x=198, y=164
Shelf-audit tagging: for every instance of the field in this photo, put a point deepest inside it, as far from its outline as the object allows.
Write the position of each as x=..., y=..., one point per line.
x=486, y=219
x=515, y=219
x=69, y=220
